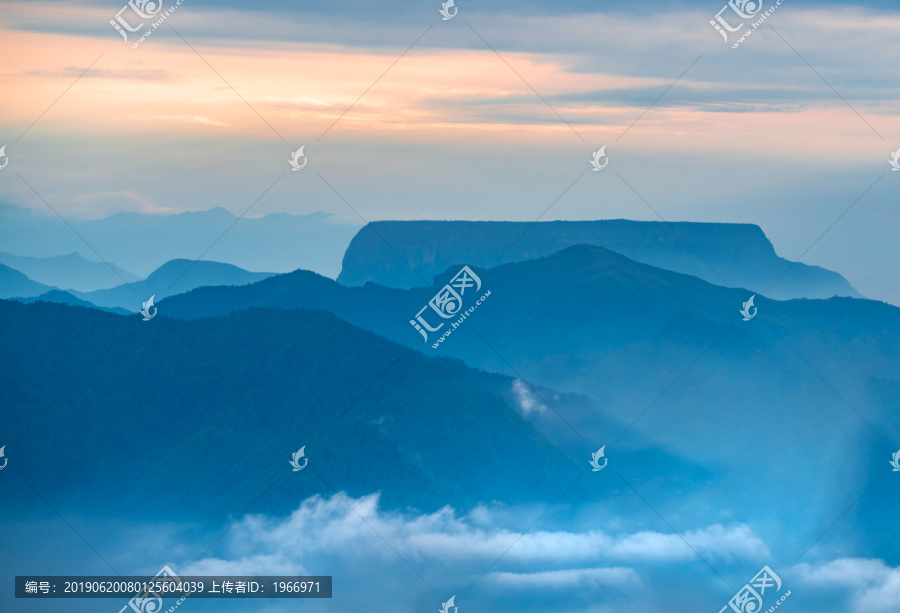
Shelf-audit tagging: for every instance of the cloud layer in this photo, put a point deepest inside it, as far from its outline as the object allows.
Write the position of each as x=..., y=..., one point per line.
x=481, y=557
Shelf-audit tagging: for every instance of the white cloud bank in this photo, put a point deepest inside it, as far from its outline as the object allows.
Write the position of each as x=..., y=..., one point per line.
x=409, y=558
x=874, y=587
x=329, y=527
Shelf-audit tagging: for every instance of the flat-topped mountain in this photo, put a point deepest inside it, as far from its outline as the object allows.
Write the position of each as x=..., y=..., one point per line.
x=736, y=255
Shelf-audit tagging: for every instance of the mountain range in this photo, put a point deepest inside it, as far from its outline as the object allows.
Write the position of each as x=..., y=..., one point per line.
x=70, y=271
x=234, y=397
x=14, y=283
x=411, y=253
x=767, y=429
x=669, y=363
x=170, y=278
x=141, y=243
x=62, y=297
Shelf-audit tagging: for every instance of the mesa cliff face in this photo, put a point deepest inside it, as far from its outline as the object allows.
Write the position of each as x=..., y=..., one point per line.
x=736, y=255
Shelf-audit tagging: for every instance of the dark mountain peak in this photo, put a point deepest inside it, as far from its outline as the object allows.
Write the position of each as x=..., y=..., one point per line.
x=173, y=277
x=178, y=266
x=592, y=255
x=174, y=268
x=60, y=297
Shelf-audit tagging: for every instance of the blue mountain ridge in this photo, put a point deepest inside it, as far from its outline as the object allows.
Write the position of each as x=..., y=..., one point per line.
x=141, y=243
x=14, y=283
x=70, y=271
x=670, y=354
x=403, y=253
x=171, y=278
x=61, y=297
x=233, y=397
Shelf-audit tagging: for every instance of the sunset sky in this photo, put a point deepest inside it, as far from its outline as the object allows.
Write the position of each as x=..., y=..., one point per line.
x=491, y=115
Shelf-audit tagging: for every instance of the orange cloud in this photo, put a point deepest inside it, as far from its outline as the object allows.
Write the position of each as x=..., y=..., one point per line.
x=165, y=88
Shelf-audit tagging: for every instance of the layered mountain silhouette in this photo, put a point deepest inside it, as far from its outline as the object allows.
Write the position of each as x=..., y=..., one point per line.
x=141, y=243
x=744, y=419
x=69, y=271
x=670, y=363
x=62, y=297
x=172, y=418
x=171, y=278
x=410, y=253
x=14, y=283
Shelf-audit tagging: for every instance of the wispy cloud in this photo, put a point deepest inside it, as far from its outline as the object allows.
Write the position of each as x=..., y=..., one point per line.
x=594, y=81
x=73, y=72
x=191, y=119
x=102, y=204
x=528, y=403
x=573, y=578
x=875, y=586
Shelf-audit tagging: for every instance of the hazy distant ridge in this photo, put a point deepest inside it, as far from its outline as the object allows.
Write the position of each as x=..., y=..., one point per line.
x=736, y=255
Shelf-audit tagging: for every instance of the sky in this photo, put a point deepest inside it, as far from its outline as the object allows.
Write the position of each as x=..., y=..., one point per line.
x=491, y=115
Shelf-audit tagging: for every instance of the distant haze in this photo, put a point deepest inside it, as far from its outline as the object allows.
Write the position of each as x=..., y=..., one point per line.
x=141, y=243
